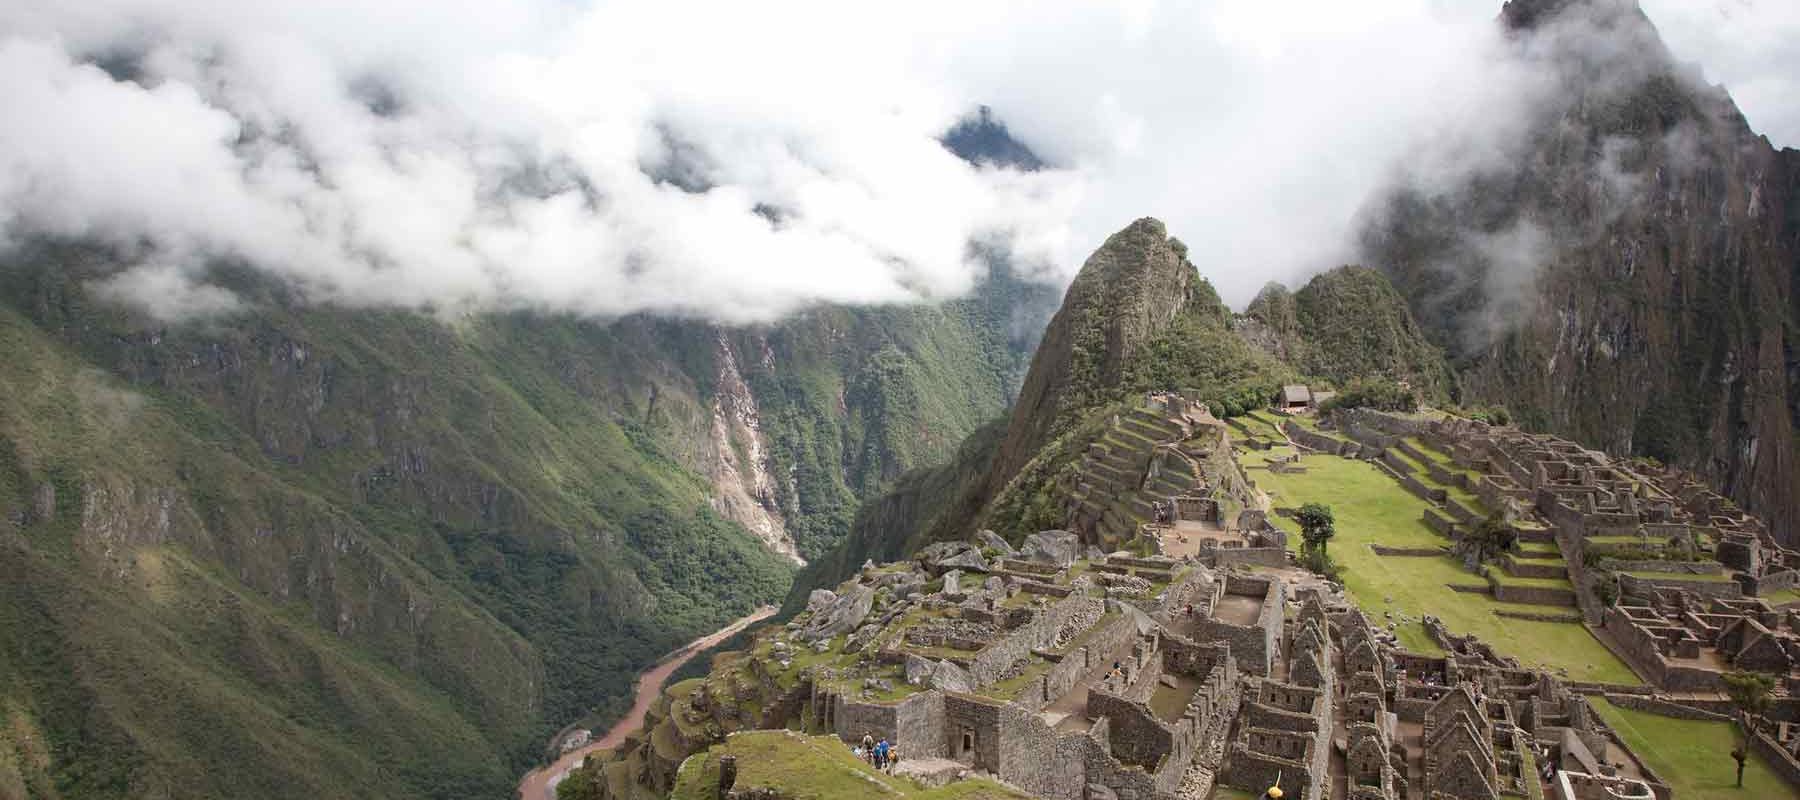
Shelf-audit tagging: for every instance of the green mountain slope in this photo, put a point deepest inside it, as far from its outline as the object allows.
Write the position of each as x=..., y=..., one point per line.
x=1138, y=318
x=318, y=552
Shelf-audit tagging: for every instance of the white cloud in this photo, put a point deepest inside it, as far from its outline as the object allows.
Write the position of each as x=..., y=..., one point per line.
x=492, y=155
x=1751, y=47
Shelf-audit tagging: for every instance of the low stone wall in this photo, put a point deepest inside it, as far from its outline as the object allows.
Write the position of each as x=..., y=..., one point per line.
x=1441, y=475
x=1317, y=441
x=1419, y=489
x=1675, y=569
x=1531, y=617
x=1532, y=568
x=1781, y=760
x=1534, y=595
x=1384, y=550
x=1259, y=556
x=1460, y=512
x=1439, y=523
x=1663, y=707
x=1772, y=582
x=1636, y=586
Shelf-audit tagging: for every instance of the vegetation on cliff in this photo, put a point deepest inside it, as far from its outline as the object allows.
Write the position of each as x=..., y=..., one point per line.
x=324, y=552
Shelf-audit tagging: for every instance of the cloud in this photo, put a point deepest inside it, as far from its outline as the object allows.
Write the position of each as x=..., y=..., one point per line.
x=1751, y=47
x=730, y=161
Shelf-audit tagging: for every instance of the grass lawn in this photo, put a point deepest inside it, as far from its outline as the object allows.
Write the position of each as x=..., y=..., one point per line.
x=1372, y=508
x=814, y=768
x=1694, y=756
x=1782, y=597
x=1503, y=577
x=1228, y=793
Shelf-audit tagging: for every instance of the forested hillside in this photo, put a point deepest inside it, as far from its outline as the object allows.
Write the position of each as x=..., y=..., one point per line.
x=338, y=552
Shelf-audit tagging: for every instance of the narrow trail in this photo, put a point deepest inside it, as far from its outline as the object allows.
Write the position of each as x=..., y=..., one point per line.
x=540, y=784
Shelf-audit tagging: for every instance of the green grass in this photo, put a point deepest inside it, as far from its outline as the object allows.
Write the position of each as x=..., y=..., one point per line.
x=1505, y=578
x=1371, y=508
x=1414, y=638
x=814, y=768
x=1694, y=756
x=1782, y=597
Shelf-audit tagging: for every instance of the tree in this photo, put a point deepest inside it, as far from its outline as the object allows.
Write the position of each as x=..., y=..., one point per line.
x=1749, y=693
x=1316, y=525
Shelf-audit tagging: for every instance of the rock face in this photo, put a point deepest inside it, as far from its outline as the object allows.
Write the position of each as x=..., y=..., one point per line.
x=986, y=539
x=951, y=678
x=1060, y=548
x=843, y=615
x=944, y=556
x=1627, y=278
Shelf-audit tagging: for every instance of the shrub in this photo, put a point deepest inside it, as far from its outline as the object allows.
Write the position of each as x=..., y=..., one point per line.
x=1380, y=394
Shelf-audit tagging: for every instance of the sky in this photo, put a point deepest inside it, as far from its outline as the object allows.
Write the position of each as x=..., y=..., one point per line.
x=738, y=162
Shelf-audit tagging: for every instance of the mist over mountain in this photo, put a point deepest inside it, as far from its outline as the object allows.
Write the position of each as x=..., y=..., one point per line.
x=383, y=385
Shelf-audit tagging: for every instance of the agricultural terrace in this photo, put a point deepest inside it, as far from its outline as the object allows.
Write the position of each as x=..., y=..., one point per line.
x=1372, y=508
x=813, y=768
x=1694, y=756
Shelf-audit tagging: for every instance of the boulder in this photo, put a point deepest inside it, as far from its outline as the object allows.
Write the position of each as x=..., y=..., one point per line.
x=986, y=539
x=953, y=582
x=918, y=669
x=862, y=638
x=820, y=598
x=953, y=555
x=952, y=678
x=1060, y=548
x=968, y=560
x=842, y=615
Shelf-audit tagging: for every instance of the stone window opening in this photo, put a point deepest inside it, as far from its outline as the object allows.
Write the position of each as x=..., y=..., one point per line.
x=968, y=741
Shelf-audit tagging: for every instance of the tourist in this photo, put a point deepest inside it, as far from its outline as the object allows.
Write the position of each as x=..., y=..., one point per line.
x=881, y=751
x=868, y=747
x=893, y=757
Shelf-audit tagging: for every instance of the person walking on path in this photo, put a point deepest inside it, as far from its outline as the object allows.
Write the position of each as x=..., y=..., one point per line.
x=868, y=747
x=881, y=751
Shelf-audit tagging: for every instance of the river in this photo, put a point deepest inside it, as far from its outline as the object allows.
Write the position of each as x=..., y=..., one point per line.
x=540, y=784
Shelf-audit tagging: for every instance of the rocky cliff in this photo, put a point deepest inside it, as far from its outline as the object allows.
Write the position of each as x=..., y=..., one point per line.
x=322, y=552
x=1625, y=276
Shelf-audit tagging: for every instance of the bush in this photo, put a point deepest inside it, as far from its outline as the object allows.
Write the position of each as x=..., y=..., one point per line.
x=1380, y=394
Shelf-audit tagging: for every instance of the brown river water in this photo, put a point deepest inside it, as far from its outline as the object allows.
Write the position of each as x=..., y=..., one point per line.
x=540, y=784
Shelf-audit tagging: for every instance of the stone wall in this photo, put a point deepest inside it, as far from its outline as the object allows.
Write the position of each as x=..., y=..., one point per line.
x=1439, y=523
x=1663, y=707
x=971, y=732
x=1781, y=760
x=1535, y=595
x=916, y=724
x=1138, y=737
x=993, y=662
x=1319, y=442
x=1634, y=586
x=1257, y=556
x=1253, y=646
x=1772, y=582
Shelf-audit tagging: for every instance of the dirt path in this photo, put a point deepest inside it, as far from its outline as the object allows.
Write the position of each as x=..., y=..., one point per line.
x=540, y=784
